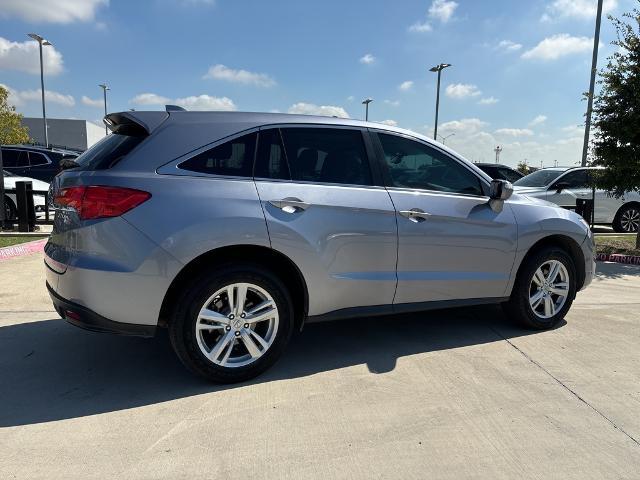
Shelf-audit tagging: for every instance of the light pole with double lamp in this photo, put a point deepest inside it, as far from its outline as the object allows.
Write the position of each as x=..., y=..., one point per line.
x=42, y=42
x=438, y=69
x=104, y=88
x=366, y=103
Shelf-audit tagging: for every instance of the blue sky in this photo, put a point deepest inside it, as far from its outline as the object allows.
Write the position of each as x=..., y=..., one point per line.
x=519, y=67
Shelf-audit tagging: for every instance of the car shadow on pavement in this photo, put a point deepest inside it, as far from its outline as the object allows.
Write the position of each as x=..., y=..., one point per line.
x=611, y=270
x=53, y=371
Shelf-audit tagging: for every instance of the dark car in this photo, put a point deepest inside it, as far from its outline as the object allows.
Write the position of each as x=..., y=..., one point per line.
x=35, y=162
x=500, y=172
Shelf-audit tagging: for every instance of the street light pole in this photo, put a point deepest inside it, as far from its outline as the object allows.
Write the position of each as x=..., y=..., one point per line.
x=438, y=69
x=366, y=103
x=444, y=139
x=41, y=41
x=104, y=88
x=594, y=66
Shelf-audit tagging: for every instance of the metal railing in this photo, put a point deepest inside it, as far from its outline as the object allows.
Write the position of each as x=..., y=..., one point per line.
x=26, y=216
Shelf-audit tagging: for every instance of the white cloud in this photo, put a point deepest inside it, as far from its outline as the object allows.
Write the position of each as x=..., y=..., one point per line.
x=442, y=10
x=462, y=90
x=199, y=102
x=312, y=109
x=20, y=97
x=24, y=56
x=406, y=85
x=509, y=46
x=206, y=102
x=149, y=99
x=351, y=98
x=393, y=103
x=367, y=59
x=514, y=132
x=222, y=72
x=558, y=46
x=391, y=123
x=465, y=126
x=488, y=101
x=51, y=11
x=420, y=27
x=581, y=9
x=90, y=102
x=539, y=120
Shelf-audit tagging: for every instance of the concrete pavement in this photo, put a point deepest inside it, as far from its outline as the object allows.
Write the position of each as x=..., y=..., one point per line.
x=459, y=394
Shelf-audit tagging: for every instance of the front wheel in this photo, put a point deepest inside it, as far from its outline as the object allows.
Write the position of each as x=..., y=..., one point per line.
x=627, y=219
x=231, y=325
x=544, y=289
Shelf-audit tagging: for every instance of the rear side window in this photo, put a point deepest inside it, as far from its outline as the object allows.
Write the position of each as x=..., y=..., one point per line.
x=326, y=155
x=270, y=160
x=108, y=151
x=232, y=158
x=36, y=159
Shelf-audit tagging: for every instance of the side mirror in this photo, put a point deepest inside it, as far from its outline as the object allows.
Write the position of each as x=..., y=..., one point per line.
x=560, y=186
x=500, y=190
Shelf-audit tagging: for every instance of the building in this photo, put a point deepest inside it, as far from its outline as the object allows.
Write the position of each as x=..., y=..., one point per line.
x=65, y=132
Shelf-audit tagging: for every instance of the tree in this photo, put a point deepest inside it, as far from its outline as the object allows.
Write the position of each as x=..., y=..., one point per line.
x=616, y=144
x=11, y=129
x=523, y=168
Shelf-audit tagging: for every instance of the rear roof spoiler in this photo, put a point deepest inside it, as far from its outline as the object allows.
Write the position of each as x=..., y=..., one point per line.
x=136, y=124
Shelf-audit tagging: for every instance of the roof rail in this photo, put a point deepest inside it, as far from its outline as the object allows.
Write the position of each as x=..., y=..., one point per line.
x=174, y=108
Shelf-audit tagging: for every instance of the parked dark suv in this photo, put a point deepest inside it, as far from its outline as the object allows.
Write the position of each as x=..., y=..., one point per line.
x=35, y=162
x=500, y=172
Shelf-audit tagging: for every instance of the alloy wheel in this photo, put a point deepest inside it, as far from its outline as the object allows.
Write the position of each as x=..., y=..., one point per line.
x=630, y=220
x=237, y=325
x=549, y=289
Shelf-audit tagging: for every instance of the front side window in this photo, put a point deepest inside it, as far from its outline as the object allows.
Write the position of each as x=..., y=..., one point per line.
x=233, y=158
x=577, y=179
x=326, y=155
x=415, y=165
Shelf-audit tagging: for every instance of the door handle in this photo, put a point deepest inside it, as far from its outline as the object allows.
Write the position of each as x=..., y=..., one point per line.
x=416, y=215
x=290, y=204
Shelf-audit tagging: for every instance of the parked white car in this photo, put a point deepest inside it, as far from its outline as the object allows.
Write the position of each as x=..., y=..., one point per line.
x=564, y=185
x=10, y=198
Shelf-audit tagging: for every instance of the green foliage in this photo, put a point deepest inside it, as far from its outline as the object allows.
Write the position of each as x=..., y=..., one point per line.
x=616, y=143
x=11, y=129
x=523, y=168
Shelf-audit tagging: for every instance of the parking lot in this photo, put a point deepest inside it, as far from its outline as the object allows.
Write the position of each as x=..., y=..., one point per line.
x=454, y=394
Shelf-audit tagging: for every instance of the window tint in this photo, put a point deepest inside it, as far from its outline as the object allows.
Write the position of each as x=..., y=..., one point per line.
x=15, y=158
x=36, y=159
x=232, y=158
x=107, y=152
x=508, y=174
x=271, y=161
x=326, y=155
x=415, y=165
x=577, y=179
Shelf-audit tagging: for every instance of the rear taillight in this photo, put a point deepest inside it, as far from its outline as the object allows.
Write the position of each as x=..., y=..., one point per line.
x=99, y=201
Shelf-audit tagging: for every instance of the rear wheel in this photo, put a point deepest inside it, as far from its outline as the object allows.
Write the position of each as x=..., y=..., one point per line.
x=231, y=325
x=544, y=289
x=627, y=219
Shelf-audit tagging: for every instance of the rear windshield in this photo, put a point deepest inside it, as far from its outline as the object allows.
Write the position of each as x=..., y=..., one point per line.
x=108, y=151
x=541, y=178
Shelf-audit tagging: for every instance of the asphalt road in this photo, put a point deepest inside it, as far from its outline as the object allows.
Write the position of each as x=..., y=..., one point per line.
x=458, y=394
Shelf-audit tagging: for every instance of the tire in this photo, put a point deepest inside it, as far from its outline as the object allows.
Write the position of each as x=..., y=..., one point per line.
x=526, y=289
x=224, y=347
x=10, y=210
x=627, y=219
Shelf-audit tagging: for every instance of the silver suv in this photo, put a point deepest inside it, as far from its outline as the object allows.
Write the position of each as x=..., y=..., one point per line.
x=234, y=229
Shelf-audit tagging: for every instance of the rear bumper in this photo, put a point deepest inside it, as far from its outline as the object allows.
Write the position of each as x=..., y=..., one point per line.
x=89, y=320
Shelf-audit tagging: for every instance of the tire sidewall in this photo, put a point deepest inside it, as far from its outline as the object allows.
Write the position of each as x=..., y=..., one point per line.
x=183, y=325
x=617, y=223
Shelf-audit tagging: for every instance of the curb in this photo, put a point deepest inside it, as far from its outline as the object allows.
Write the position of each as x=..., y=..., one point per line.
x=22, y=249
x=618, y=258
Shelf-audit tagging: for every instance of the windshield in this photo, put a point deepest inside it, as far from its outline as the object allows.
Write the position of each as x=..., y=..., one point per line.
x=541, y=178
